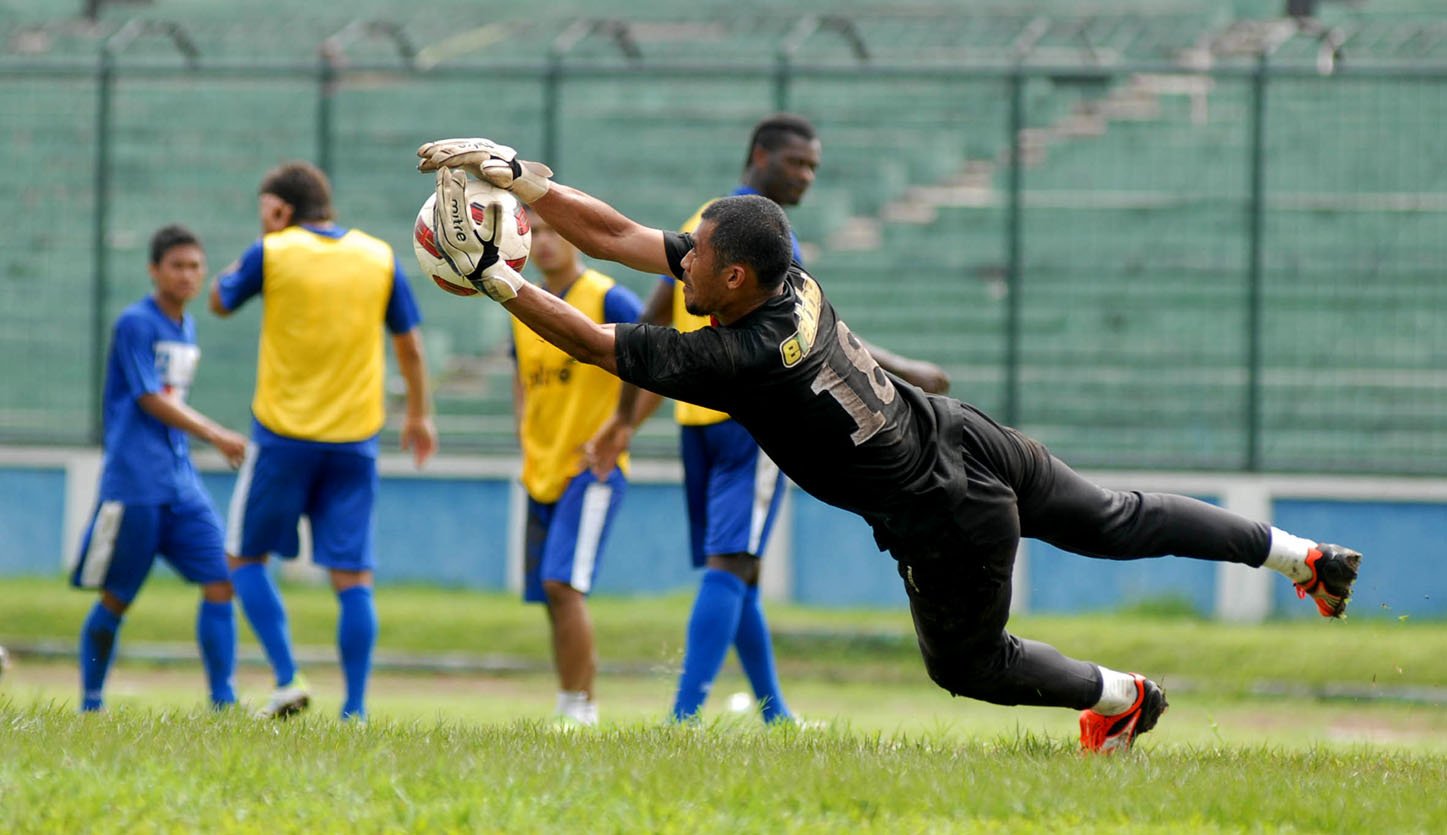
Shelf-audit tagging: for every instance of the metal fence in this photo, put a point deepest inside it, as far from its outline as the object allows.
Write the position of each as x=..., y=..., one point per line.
x=1234, y=269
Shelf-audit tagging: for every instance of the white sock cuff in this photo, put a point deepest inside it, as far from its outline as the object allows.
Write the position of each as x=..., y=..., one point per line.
x=1289, y=545
x=577, y=706
x=567, y=699
x=1117, y=693
x=1288, y=555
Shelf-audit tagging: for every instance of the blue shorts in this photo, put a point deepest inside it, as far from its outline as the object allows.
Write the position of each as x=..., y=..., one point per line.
x=122, y=542
x=564, y=540
x=733, y=490
x=277, y=484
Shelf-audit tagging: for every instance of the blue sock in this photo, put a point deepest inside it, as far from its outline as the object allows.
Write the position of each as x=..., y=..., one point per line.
x=756, y=655
x=356, y=635
x=97, y=648
x=262, y=604
x=711, y=629
x=216, y=633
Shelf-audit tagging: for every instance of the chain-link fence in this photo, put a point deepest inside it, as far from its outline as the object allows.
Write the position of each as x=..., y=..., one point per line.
x=1141, y=264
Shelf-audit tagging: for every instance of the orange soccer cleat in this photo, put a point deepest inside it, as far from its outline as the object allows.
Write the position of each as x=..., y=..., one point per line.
x=1109, y=734
x=1333, y=570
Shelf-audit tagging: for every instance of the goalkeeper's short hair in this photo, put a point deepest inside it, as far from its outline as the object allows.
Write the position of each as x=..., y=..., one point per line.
x=751, y=229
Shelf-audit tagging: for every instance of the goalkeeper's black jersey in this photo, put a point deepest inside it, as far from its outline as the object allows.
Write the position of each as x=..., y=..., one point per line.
x=835, y=422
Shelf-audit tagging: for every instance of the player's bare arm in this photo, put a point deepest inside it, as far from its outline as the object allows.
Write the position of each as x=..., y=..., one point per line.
x=612, y=438
x=922, y=373
x=419, y=434
x=213, y=301
x=601, y=231
x=213, y=298
x=658, y=310
x=565, y=326
x=177, y=415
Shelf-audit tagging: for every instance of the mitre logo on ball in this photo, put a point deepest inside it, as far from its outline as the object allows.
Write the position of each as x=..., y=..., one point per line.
x=514, y=239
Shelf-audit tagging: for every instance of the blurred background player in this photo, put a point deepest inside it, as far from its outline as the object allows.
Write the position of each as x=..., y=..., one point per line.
x=574, y=484
x=150, y=500
x=318, y=408
x=732, y=489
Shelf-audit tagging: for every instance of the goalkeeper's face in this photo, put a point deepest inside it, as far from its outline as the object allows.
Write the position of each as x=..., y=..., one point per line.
x=707, y=284
x=179, y=274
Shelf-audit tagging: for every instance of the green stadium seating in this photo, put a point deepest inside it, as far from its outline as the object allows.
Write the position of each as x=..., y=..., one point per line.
x=1134, y=228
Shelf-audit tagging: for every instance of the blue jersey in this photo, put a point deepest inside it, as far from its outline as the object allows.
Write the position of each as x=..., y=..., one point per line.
x=146, y=461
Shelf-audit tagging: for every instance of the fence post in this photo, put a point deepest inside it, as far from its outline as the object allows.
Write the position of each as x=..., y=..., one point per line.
x=1014, y=233
x=618, y=31
x=330, y=54
x=803, y=29
x=105, y=80
x=552, y=81
x=783, y=71
x=1256, y=233
x=326, y=85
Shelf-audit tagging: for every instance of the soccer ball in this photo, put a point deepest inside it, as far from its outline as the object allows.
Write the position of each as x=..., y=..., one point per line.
x=517, y=236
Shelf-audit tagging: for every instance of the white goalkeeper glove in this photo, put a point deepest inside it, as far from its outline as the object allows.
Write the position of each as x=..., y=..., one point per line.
x=488, y=161
x=471, y=246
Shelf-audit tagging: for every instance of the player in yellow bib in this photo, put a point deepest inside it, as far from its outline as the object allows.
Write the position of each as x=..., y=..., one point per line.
x=574, y=487
x=329, y=293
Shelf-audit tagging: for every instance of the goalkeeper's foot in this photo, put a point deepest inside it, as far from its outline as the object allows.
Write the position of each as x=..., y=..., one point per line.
x=1333, y=571
x=287, y=701
x=1110, y=734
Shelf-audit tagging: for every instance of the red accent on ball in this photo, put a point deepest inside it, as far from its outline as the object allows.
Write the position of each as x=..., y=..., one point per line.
x=524, y=226
x=454, y=289
x=423, y=233
x=517, y=263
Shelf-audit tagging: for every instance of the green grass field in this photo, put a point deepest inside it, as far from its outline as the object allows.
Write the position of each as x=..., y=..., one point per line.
x=1319, y=726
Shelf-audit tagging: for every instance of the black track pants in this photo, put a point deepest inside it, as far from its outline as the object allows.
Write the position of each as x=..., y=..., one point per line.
x=958, y=581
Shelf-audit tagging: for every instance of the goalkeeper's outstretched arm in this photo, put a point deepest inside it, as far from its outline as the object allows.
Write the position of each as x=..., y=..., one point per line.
x=601, y=231
x=563, y=325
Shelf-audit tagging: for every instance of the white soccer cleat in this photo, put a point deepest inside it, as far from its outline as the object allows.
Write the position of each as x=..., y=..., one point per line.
x=287, y=701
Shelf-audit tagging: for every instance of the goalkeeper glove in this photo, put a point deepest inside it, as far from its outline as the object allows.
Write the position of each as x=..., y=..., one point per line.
x=488, y=161
x=471, y=247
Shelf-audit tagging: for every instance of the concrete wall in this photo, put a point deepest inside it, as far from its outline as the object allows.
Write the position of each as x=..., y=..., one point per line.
x=458, y=524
